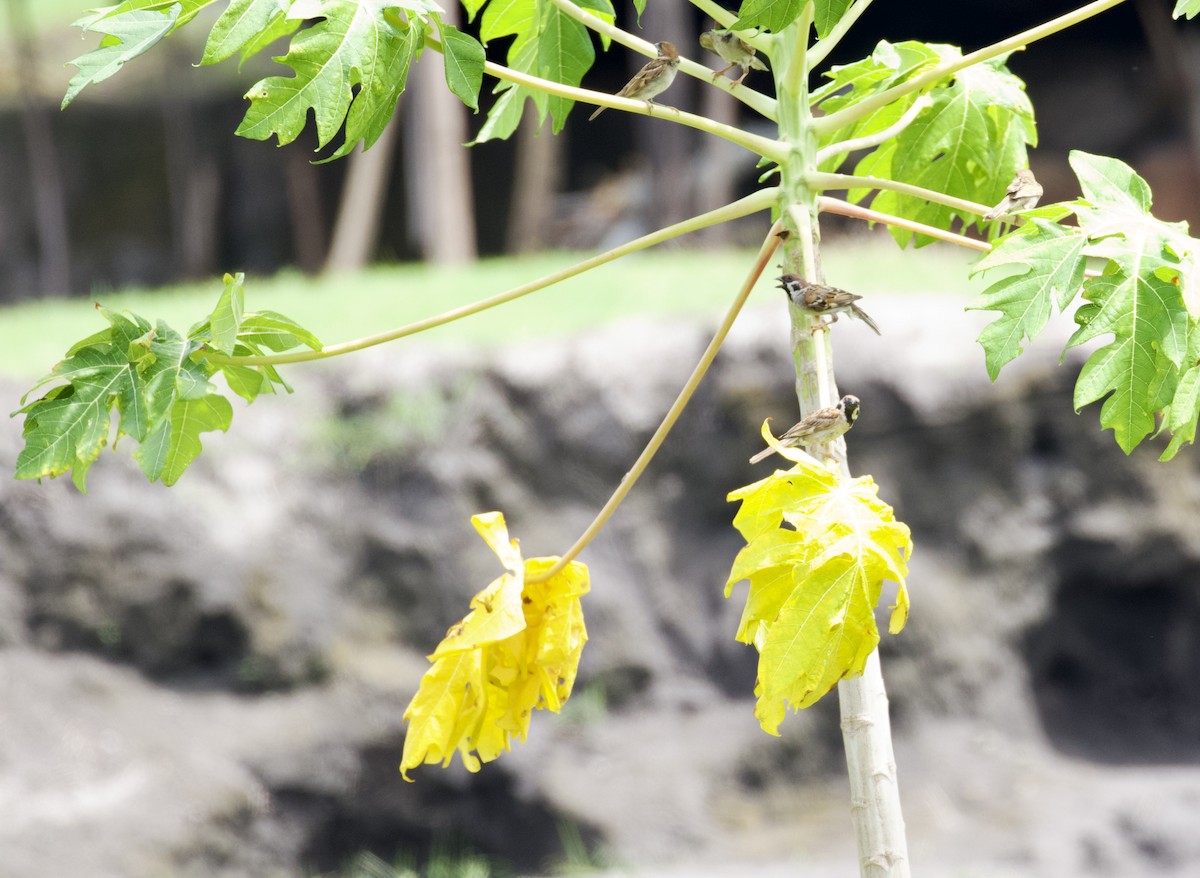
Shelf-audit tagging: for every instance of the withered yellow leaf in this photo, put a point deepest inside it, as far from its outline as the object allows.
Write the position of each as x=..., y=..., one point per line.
x=517, y=650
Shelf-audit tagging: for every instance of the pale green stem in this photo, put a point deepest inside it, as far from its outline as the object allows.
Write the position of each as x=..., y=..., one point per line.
x=757, y=101
x=716, y=12
x=763, y=146
x=844, y=208
x=760, y=200
x=796, y=75
x=851, y=114
x=835, y=205
x=821, y=181
x=821, y=48
x=630, y=479
x=869, y=140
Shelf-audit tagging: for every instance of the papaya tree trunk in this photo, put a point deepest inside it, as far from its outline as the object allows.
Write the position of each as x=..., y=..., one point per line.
x=866, y=729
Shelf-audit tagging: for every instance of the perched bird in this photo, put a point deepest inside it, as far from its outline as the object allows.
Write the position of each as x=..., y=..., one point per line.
x=821, y=299
x=1023, y=194
x=819, y=428
x=652, y=80
x=733, y=49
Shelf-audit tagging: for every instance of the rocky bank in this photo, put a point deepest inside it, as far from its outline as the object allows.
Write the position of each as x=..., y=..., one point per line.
x=209, y=680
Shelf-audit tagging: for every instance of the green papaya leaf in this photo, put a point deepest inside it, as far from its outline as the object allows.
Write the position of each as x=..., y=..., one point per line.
x=352, y=45
x=1049, y=263
x=770, y=15
x=464, y=65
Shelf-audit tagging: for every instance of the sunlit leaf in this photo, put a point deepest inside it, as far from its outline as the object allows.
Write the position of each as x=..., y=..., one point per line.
x=1049, y=261
x=818, y=550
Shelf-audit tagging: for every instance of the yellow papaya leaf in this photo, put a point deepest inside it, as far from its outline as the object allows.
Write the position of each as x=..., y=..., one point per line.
x=517, y=650
x=818, y=549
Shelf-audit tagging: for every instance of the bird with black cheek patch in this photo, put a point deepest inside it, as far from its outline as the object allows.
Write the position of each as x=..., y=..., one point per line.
x=822, y=299
x=652, y=80
x=818, y=428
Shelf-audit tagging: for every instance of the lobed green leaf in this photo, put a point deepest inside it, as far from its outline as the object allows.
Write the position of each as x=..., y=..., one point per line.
x=770, y=15
x=464, y=58
x=157, y=382
x=1190, y=8
x=827, y=13
x=1049, y=262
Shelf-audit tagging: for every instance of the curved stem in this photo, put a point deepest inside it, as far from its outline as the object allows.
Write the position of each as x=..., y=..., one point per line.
x=760, y=200
x=821, y=180
x=844, y=208
x=757, y=101
x=869, y=140
x=821, y=48
x=639, y=466
x=844, y=117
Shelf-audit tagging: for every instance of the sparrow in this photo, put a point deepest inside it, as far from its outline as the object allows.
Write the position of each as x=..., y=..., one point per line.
x=733, y=49
x=819, y=428
x=1023, y=194
x=652, y=80
x=821, y=299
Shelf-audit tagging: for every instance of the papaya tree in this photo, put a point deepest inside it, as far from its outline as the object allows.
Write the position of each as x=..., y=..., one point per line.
x=923, y=137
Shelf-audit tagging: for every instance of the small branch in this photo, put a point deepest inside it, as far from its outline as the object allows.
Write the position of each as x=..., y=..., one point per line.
x=821, y=49
x=756, y=101
x=761, y=200
x=822, y=181
x=630, y=479
x=842, y=118
x=763, y=146
x=869, y=140
x=843, y=208
x=716, y=12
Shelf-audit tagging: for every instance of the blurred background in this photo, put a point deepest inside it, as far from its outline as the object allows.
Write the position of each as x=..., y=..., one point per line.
x=209, y=680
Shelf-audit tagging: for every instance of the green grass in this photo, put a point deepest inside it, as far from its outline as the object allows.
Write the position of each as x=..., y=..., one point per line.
x=34, y=336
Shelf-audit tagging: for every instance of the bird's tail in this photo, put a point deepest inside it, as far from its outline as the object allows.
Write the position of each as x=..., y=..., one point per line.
x=756, y=64
x=762, y=455
x=599, y=110
x=865, y=318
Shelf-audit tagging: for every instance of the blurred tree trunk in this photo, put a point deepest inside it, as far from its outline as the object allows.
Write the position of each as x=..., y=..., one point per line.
x=193, y=180
x=667, y=146
x=364, y=193
x=1175, y=61
x=309, y=230
x=714, y=174
x=45, y=176
x=438, y=170
x=537, y=181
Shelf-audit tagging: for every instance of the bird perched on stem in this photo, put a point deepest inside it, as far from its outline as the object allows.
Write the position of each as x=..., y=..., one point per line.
x=822, y=299
x=819, y=428
x=733, y=49
x=652, y=80
x=1022, y=194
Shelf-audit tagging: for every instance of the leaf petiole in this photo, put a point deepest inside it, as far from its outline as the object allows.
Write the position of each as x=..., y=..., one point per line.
x=770, y=244
x=760, y=200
